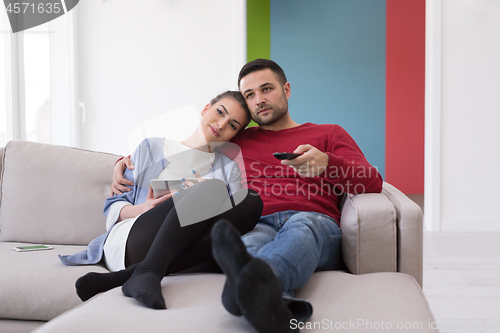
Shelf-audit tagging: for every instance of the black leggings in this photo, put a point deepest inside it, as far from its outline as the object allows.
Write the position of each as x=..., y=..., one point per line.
x=159, y=238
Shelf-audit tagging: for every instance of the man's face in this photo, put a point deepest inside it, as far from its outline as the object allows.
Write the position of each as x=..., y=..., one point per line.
x=266, y=98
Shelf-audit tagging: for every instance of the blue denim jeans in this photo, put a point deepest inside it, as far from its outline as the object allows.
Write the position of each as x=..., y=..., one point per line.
x=295, y=244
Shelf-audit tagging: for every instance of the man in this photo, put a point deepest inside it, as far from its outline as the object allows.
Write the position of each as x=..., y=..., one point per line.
x=298, y=232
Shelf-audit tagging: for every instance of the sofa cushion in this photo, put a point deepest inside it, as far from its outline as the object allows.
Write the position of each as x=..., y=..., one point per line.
x=19, y=326
x=53, y=194
x=341, y=301
x=36, y=285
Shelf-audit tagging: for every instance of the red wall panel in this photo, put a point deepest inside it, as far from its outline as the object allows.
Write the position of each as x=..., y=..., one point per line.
x=405, y=95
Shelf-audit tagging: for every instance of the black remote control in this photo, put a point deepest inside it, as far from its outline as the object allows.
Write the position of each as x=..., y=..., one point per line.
x=285, y=156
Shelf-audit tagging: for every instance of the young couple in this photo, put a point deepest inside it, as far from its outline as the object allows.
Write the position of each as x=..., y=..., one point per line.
x=289, y=219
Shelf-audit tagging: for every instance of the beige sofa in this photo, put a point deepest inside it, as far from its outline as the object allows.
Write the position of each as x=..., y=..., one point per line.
x=54, y=195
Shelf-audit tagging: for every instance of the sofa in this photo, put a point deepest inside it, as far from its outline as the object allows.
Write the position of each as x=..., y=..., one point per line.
x=54, y=195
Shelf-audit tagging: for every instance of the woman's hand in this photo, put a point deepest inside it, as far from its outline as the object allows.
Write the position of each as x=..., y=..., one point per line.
x=152, y=202
x=187, y=183
x=131, y=211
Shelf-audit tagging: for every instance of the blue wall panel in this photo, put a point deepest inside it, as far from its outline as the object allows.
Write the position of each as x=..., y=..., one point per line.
x=333, y=53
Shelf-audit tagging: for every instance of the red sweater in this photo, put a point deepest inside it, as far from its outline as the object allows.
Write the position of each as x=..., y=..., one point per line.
x=281, y=188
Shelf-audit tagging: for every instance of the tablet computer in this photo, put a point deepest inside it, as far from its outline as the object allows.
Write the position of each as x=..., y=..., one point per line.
x=164, y=186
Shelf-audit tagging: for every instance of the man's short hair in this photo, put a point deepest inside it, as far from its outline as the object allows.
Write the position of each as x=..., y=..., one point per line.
x=260, y=64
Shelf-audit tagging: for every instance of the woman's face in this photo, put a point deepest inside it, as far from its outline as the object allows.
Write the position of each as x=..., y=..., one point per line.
x=220, y=122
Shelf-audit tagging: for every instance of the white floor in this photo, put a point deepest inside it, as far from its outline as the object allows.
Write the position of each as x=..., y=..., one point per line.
x=462, y=280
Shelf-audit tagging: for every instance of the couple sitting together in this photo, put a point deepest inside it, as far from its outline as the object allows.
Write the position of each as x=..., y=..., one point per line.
x=286, y=210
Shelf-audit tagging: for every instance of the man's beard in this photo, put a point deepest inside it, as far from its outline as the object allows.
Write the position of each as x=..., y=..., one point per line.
x=275, y=113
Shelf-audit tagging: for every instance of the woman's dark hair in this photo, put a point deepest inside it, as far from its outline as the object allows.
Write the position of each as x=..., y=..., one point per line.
x=260, y=64
x=237, y=97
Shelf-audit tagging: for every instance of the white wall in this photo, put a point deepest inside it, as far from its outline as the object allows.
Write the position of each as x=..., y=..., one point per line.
x=139, y=59
x=469, y=116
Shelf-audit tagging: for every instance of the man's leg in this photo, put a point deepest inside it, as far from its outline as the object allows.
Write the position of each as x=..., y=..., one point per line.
x=234, y=260
x=305, y=242
x=263, y=233
x=251, y=288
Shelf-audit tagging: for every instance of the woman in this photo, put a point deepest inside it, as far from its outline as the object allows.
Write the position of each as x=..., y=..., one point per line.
x=146, y=238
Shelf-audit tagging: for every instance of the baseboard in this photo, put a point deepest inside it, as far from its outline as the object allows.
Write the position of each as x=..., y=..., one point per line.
x=470, y=225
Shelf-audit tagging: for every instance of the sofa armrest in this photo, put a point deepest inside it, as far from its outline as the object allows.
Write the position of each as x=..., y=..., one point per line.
x=410, y=233
x=382, y=232
x=2, y=150
x=369, y=238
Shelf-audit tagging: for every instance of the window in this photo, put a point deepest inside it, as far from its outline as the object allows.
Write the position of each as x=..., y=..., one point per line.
x=38, y=97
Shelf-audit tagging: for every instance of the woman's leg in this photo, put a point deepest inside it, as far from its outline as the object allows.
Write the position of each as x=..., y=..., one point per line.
x=243, y=216
x=174, y=236
x=140, y=239
x=93, y=283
